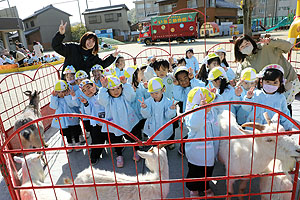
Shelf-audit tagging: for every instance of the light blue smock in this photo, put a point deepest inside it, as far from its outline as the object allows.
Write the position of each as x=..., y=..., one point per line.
x=168, y=82
x=230, y=73
x=141, y=92
x=192, y=63
x=119, y=73
x=118, y=110
x=157, y=115
x=95, y=109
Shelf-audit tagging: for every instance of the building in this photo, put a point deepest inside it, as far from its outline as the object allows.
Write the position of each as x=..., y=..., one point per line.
x=273, y=8
x=10, y=22
x=109, y=17
x=42, y=25
x=145, y=8
x=216, y=10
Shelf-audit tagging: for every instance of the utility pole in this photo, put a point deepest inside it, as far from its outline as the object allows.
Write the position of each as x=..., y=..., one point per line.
x=265, y=13
x=87, y=5
x=79, y=12
x=110, y=2
x=145, y=8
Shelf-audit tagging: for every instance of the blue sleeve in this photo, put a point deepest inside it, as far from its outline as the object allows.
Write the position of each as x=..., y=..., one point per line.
x=88, y=109
x=197, y=83
x=128, y=92
x=196, y=64
x=195, y=120
x=170, y=112
x=103, y=97
x=284, y=121
x=70, y=102
x=178, y=93
x=230, y=74
x=54, y=102
x=146, y=112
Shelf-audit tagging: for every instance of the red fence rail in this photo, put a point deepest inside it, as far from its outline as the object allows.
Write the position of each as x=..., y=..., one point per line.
x=6, y=155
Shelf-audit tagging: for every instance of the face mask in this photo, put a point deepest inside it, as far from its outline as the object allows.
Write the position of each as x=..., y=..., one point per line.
x=270, y=88
x=247, y=50
x=71, y=81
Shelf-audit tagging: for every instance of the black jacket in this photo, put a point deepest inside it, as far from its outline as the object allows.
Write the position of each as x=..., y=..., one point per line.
x=78, y=57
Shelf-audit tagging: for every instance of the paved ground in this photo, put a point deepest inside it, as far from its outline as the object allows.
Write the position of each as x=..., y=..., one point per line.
x=79, y=160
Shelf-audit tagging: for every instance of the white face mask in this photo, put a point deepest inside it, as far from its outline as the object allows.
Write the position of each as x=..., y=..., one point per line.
x=247, y=50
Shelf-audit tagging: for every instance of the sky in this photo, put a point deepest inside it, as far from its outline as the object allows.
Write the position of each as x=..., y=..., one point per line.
x=27, y=7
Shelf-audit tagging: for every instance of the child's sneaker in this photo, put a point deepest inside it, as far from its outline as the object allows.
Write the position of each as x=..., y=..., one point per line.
x=77, y=144
x=120, y=161
x=70, y=145
x=136, y=157
x=81, y=139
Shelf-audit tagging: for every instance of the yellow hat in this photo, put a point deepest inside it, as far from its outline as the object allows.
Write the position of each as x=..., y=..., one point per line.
x=248, y=74
x=60, y=85
x=81, y=75
x=182, y=68
x=216, y=73
x=113, y=82
x=84, y=82
x=69, y=69
x=97, y=67
x=128, y=71
x=194, y=97
x=220, y=50
x=208, y=57
x=155, y=84
x=110, y=71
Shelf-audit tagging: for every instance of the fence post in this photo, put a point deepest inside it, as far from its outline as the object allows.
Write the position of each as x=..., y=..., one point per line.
x=7, y=177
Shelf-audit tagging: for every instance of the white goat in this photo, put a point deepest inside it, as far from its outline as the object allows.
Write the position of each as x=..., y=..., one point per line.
x=264, y=148
x=37, y=175
x=131, y=192
x=30, y=136
x=280, y=183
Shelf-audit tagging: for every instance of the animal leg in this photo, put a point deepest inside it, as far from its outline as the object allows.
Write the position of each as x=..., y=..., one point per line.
x=242, y=188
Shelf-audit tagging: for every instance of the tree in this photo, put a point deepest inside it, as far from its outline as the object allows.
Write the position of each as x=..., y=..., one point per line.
x=247, y=6
x=77, y=31
x=132, y=16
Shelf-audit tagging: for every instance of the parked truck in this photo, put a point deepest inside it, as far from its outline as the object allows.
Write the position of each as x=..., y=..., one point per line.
x=182, y=26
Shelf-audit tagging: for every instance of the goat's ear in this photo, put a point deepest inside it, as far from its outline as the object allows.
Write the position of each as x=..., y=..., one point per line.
x=27, y=93
x=19, y=159
x=144, y=154
x=247, y=132
x=257, y=126
x=39, y=92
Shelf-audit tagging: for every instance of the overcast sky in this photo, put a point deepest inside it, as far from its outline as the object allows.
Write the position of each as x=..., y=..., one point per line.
x=27, y=7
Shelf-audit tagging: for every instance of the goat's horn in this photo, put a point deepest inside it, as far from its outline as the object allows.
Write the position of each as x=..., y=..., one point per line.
x=27, y=93
x=267, y=118
x=257, y=126
x=162, y=145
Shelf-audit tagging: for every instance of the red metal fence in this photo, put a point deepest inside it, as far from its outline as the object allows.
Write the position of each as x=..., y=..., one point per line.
x=12, y=179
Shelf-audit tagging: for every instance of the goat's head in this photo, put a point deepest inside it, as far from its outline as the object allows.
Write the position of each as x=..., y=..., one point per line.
x=288, y=149
x=34, y=97
x=35, y=167
x=151, y=158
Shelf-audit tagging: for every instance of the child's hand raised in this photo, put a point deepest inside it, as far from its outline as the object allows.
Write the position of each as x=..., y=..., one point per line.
x=203, y=100
x=54, y=93
x=238, y=91
x=213, y=90
x=145, y=84
x=175, y=82
x=250, y=93
x=82, y=99
x=116, y=53
x=143, y=105
x=171, y=60
x=265, y=40
x=123, y=79
x=173, y=106
x=62, y=27
x=72, y=92
x=104, y=81
x=191, y=73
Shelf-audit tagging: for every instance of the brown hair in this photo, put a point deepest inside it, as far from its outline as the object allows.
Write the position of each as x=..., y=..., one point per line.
x=239, y=57
x=89, y=35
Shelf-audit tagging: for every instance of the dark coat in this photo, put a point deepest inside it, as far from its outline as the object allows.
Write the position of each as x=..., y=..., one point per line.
x=78, y=57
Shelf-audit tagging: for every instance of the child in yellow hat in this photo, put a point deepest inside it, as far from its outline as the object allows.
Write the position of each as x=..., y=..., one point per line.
x=201, y=155
x=97, y=71
x=158, y=110
x=61, y=102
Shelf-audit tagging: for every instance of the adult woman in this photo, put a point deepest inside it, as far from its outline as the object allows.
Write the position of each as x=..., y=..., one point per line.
x=38, y=51
x=82, y=56
x=268, y=51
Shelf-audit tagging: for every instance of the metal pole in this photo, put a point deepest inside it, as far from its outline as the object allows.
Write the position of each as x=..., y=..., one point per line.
x=79, y=12
x=110, y=2
x=87, y=5
x=145, y=8
x=265, y=13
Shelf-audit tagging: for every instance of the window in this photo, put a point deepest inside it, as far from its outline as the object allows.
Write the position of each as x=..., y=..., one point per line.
x=192, y=4
x=139, y=6
x=95, y=19
x=262, y=1
x=261, y=10
x=26, y=25
x=148, y=5
x=113, y=17
x=167, y=8
x=32, y=23
x=119, y=14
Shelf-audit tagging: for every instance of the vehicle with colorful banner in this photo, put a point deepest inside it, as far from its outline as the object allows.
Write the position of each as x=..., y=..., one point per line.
x=181, y=27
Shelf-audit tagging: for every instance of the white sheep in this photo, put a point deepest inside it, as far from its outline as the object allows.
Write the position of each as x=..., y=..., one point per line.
x=264, y=148
x=280, y=183
x=147, y=191
x=37, y=176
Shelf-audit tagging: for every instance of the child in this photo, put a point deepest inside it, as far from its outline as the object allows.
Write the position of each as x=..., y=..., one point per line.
x=93, y=108
x=161, y=68
x=230, y=73
x=184, y=82
x=270, y=89
x=248, y=80
x=149, y=72
x=201, y=155
x=61, y=102
x=209, y=62
x=220, y=81
x=191, y=60
x=158, y=110
x=69, y=74
x=116, y=97
x=120, y=64
x=80, y=76
x=97, y=71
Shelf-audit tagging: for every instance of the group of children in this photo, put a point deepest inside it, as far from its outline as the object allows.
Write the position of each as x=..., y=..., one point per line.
x=141, y=99
x=29, y=59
